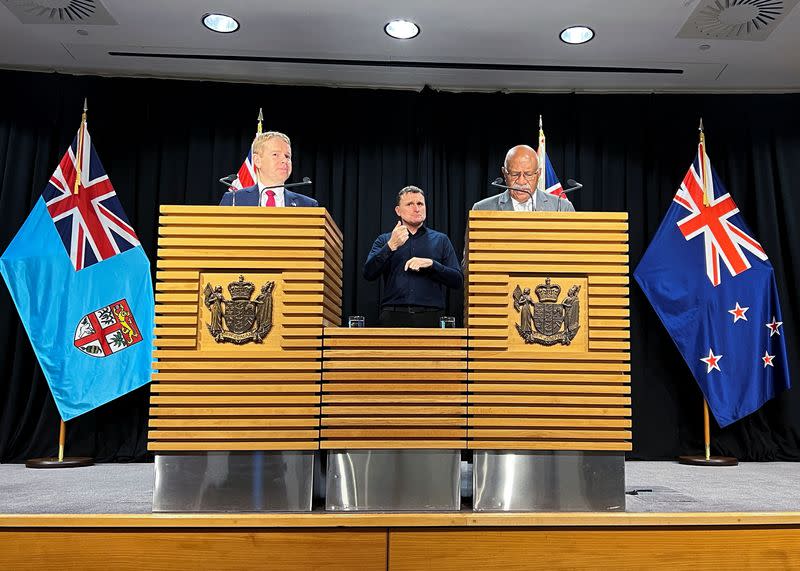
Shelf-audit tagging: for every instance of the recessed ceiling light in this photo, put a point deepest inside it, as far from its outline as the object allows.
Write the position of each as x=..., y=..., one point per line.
x=220, y=23
x=401, y=29
x=577, y=35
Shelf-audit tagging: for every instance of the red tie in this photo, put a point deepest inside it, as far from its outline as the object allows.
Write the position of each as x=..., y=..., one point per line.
x=270, y=198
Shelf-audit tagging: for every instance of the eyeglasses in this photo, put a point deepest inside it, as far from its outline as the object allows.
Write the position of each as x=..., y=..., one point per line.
x=528, y=175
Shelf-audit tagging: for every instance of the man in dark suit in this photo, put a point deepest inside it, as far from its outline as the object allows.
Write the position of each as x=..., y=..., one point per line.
x=521, y=171
x=272, y=159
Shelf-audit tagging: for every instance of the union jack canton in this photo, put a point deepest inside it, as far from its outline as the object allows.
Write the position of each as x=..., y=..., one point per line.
x=90, y=222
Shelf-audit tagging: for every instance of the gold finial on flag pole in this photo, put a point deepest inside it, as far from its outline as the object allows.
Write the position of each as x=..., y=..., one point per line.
x=79, y=150
x=704, y=163
x=260, y=121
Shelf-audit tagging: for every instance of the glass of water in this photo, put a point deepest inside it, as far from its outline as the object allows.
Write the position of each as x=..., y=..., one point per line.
x=447, y=322
x=355, y=321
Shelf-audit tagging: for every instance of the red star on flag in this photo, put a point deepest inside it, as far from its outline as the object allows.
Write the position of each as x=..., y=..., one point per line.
x=712, y=361
x=767, y=358
x=738, y=312
x=773, y=327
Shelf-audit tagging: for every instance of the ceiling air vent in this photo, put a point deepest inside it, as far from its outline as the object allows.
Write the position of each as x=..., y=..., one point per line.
x=752, y=20
x=84, y=12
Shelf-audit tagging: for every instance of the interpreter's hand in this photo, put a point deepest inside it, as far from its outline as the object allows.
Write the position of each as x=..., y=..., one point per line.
x=399, y=236
x=416, y=264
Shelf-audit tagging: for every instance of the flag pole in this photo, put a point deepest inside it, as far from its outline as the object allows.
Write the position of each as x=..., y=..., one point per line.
x=260, y=121
x=707, y=459
x=62, y=462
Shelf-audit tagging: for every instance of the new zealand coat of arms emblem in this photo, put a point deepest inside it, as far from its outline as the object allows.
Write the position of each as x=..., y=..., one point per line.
x=239, y=320
x=543, y=325
x=107, y=330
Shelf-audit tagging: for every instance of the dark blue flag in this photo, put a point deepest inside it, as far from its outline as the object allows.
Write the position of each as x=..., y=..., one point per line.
x=713, y=287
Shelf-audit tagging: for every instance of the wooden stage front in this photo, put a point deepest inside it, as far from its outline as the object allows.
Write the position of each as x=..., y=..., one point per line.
x=458, y=541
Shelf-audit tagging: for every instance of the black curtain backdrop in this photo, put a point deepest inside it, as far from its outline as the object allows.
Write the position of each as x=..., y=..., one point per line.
x=167, y=142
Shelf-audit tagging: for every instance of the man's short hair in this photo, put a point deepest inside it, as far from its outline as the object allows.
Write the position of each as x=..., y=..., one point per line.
x=262, y=139
x=407, y=190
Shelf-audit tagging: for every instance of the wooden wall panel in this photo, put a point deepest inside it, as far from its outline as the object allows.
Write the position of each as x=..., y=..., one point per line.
x=257, y=396
x=535, y=397
x=394, y=388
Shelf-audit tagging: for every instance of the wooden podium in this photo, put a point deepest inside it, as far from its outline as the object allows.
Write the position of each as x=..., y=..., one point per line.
x=242, y=296
x=549, y=372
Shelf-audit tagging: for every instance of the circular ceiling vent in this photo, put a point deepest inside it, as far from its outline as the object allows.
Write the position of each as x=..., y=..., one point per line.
x=738, y=18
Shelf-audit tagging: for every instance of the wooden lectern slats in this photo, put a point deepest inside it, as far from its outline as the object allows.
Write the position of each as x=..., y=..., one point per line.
x=233, y=445
x=545, y=411
x=172, y=308
x=617, y=291
x=227, y=354
x=565, y=226
x=597, y=301
x=234, y=265
x=227, y=422
x=514, y=217
x=400, y=410
x=214, y=434
x=427, y=421
x=396, y=376
x=577, y=445
x=233, y=399
x=489, y=321
x=266, y=233
x=493, y=278
x=367, y=432
x=233, y=224
x=488, y=311
x=600, y=279
x=552, y=239
x=524, y=243
x=234, y=411
x=517, y=355
x=417, y=333
x=553, y=365
x=279, y=244
x=176, y=297
x=332, y=365
x=249, y=254
x=417, y=354
x=186, y=276
x=174, y=286
x=302, y=287
x=547, y=257
x=406, y=443
x=549, y=422
x=609, y=334
x=546, y=377
x=555, y=399
x=498, y=290
x=175, y=331
x=392, y=387
x=226, y=375
x=609, y=312
x=240, y=211
x=241, y=366
x=609, y=345
x=174, y=342
x=586, y=267
x=609, y=323
x=357, y=343
x=548, y=434
x=371, y=398
x=250, y=388
x=537, y=388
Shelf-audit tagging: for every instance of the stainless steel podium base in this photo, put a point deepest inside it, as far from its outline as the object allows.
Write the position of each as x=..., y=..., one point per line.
x=548, y=481
x=393, y=480
x=234, y=482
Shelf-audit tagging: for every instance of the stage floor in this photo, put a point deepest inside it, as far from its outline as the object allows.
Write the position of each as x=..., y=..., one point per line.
x=662, y=487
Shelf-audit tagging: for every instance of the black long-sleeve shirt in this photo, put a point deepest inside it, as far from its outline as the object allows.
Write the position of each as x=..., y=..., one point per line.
x=425, y=287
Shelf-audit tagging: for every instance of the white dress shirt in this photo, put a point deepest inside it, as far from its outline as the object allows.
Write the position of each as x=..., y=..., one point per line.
x=280, y=200
x=527, y=206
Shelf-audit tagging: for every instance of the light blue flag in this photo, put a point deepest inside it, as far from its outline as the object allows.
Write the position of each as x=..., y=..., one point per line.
x=81, y=283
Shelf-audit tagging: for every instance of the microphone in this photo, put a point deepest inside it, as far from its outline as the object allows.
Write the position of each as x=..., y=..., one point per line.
x=228, y=180
x=305, y=182
x=498, y=182
x=573, y=185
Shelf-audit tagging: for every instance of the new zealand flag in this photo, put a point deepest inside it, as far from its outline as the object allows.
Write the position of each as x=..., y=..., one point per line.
x=713, y=287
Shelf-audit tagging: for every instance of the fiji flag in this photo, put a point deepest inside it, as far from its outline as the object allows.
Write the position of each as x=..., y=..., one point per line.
x=81, y=283
x=714, y=289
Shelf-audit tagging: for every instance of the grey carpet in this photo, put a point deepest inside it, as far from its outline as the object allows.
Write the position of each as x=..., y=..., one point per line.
x=671, y=487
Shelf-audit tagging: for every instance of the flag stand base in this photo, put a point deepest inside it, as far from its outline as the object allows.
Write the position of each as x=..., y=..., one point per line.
x=701, y=460
x=73, y=462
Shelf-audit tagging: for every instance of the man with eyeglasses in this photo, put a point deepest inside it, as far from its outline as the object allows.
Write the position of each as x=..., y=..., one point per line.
x=521, y=172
